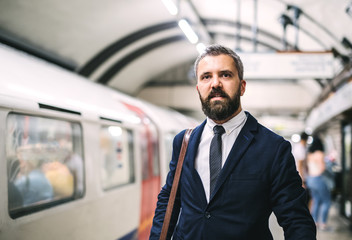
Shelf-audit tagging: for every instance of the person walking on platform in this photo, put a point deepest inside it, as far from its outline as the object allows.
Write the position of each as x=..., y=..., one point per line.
x=230, y=184
x=317, y=184
x=300, y=154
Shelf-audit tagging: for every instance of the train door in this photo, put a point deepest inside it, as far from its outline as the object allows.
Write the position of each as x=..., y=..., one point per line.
x=150, y=172
x=346, y=205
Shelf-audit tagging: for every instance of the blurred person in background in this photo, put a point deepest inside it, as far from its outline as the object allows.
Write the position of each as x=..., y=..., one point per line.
x=317, y=185
x=300, y=154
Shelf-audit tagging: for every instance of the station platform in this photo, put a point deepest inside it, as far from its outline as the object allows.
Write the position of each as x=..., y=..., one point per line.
x=338, y=227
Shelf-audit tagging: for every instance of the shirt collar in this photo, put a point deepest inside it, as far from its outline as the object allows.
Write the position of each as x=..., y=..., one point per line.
x=231, y=124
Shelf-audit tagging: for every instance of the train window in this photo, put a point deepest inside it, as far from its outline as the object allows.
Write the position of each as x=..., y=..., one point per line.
x=45, y=162
x=117, y=159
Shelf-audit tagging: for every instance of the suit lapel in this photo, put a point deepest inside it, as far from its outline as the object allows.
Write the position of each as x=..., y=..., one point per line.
x=195, y=180
x=240, y=146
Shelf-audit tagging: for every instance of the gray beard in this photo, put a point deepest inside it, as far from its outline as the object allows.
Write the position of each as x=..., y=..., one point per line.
x=221, y=110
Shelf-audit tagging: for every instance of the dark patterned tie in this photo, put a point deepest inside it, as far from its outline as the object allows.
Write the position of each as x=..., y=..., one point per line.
x=215, y=156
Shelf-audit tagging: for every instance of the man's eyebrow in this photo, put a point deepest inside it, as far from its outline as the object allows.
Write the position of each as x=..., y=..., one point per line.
x=204, y=73
x=227, y=71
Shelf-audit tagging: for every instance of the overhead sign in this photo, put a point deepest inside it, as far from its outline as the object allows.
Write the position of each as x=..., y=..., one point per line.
x=337, y=103
x=287, y=65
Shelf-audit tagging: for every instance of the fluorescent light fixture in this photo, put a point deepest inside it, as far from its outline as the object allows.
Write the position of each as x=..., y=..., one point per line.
x=171, y=7
x=188, y=31
x=200, y=48
x=115, y=131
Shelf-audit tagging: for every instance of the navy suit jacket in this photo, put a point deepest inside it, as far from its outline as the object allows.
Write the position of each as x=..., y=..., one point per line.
x=259, y=177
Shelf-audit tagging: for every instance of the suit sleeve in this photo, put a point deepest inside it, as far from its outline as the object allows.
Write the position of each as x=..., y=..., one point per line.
x=289, y=199
x=164, y=194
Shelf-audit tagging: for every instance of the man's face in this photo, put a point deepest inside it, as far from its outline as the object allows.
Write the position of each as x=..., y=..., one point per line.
x=219, y=87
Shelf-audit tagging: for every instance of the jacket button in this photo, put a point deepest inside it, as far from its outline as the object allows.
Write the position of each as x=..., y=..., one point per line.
x=207, y=215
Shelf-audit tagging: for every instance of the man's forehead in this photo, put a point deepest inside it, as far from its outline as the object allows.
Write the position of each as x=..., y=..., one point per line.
x=217, y=63
x=219, y=58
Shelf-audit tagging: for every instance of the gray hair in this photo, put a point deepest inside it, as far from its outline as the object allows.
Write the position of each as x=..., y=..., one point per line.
x=216, y=50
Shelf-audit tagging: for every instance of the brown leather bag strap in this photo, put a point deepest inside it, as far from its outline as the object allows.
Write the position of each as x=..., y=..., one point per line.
x=174, y=188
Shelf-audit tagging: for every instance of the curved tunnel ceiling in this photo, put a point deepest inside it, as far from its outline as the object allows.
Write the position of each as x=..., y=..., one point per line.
x=119, y=45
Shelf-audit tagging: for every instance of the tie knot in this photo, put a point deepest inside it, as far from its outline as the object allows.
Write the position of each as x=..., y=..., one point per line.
x=218, y=129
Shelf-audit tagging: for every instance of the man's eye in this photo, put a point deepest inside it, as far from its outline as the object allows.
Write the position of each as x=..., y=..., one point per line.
x=206, y=77
x=226, y=75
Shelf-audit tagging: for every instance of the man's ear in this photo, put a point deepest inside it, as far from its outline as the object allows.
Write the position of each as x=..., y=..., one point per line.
x=243, y=87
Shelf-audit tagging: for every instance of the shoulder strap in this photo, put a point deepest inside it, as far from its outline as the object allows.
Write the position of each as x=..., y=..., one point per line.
x=174, y=188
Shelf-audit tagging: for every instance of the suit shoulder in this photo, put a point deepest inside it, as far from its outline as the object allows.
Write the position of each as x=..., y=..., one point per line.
x=269, y=135
x=264, y=132
x=178, y=138
x=180, y=135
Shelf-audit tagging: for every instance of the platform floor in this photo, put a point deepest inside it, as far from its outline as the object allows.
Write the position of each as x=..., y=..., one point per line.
x=339, y=227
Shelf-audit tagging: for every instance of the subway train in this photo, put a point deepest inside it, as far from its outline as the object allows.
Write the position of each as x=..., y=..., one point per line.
x=78, y=160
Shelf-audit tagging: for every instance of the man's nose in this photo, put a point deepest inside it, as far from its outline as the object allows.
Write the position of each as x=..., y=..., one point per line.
x=215, y=82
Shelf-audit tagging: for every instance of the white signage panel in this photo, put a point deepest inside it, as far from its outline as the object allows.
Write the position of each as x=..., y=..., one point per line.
x=339, y=102
x=287, y=65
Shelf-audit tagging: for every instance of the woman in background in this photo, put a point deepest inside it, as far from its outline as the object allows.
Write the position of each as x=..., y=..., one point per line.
x=319, y=190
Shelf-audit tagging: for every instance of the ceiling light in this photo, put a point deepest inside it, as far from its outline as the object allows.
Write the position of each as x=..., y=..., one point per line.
x=200, y=48
x=188, y=31
x=171, y=7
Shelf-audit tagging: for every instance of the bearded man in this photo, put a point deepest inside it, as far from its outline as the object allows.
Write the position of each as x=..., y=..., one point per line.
x=236, y=172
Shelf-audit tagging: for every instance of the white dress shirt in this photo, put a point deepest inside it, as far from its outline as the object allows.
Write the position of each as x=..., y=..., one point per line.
x=232, y=129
